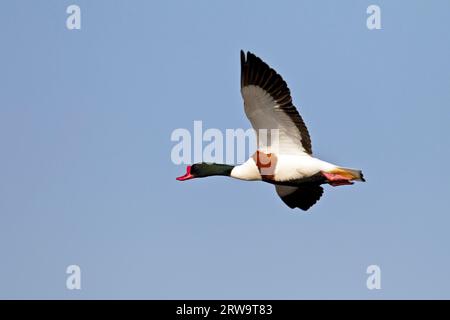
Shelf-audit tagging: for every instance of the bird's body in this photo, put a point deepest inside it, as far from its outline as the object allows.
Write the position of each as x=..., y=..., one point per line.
x=288, y=167
x=284, y=156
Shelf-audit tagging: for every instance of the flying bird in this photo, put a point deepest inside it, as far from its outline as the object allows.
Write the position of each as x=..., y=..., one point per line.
x=284, y=158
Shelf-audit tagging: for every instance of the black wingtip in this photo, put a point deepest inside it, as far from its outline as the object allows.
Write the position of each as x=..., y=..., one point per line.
x=304, y=197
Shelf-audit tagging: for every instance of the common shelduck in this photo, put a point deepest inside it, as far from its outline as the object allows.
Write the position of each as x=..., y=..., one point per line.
x=287, y=162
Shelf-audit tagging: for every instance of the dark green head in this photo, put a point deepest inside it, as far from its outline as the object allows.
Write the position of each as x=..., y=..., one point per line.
x=204, y=169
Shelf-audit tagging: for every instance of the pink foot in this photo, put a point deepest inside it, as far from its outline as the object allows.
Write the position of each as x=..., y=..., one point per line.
x=336, y=179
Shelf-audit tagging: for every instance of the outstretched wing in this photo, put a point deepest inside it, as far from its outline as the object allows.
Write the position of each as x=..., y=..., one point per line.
x=268, y=105
x=303, y=197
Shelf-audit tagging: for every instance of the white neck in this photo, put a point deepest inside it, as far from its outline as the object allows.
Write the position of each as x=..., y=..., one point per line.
x=246, y=171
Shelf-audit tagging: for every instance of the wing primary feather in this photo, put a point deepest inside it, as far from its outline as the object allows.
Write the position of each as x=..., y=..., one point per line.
x=303, y=197
x=255, y=71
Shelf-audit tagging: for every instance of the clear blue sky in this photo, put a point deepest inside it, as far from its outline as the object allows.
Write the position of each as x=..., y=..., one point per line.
x=86, y=176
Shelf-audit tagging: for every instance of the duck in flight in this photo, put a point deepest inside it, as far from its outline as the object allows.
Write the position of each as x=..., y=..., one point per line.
x=284, y=158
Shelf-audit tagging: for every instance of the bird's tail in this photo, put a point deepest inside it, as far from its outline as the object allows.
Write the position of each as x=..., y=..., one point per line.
x=352, y=174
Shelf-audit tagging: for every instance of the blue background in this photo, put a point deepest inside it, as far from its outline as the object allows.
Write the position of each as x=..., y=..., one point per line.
x=86, y=176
